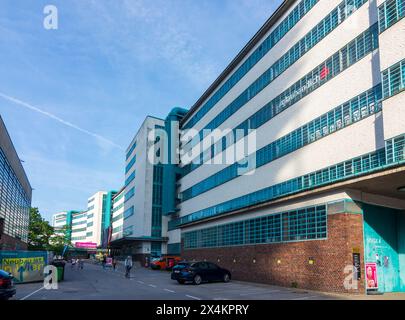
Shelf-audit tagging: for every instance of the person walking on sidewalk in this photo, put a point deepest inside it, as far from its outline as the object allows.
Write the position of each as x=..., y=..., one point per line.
x=128, y=266
x=104, y=262
x=114, y=264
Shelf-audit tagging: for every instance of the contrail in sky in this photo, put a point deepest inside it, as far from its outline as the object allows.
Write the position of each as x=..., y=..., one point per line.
x=52, y=116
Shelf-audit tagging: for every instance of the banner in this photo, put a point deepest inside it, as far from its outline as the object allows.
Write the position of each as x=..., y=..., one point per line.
x=86, y=245
x=371, y=276
x=25, y=266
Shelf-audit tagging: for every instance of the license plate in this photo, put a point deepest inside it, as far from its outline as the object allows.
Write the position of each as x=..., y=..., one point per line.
x=177, y=271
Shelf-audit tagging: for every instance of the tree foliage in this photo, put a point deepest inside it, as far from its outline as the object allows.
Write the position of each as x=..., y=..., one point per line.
x=41, y=235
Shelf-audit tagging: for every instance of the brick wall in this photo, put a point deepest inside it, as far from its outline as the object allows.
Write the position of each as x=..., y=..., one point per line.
x=287, y=264
x=10, y=243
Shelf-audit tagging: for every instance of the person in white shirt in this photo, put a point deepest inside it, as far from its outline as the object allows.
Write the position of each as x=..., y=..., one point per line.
x=128, y=266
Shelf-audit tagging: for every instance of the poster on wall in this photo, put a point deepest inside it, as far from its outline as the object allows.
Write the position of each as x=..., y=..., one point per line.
x=371, y=276
x=25, y=266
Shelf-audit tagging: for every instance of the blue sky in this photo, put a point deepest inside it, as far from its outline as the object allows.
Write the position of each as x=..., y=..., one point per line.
x=109, y=64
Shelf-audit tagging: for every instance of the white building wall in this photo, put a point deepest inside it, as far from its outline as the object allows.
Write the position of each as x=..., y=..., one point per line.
x=311, y=19
x=337, y=147
x=141, y=220
x=118, y=213
x=357, y=23
x=95, y=208
x=392, y=51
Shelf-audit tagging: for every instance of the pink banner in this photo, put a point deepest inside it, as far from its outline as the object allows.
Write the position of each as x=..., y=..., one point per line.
x=371, y=276
x=86, y=245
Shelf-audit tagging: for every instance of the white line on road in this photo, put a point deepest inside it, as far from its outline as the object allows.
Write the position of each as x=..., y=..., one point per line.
x=152, y=285
x=27, y=296
x=192, y=297
x=169, y=290
x=141, y=282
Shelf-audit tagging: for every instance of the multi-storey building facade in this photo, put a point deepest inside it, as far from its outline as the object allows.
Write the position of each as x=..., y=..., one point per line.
x=15, y=196
x=321, y=199
x=142, y=233
x=117, y=218
x=88, y=227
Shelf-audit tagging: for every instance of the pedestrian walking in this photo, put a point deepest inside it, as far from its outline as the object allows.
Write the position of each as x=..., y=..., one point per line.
x=128, y=266
x=73, y=262
x=81, y=263
x=114, y=264
x=104, y=261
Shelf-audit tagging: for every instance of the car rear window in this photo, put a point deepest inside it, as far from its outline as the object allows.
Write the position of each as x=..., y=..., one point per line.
x=182, y=265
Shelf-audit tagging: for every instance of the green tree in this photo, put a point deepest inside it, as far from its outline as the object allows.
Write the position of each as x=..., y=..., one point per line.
x=42, y=236
x=39, y=231
x=59, y=240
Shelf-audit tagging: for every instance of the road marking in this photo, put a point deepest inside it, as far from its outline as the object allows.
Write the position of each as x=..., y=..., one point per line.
x=169, y=290
x=152, y=285
x=192, y=297
x=141, y=282
x=27, y=296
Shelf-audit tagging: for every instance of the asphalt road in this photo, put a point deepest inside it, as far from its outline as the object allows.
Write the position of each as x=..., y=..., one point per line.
x=94, y=283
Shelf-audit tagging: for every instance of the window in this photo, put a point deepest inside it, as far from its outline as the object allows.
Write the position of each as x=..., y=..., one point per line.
x=394, y=79
x=129, y=212
x=130, y=179
x=303, y=224
x=390, y=12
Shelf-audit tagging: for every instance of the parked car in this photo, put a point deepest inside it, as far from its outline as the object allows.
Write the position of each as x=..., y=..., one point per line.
x=165, y=263
x=7, y=287
x=199, y=272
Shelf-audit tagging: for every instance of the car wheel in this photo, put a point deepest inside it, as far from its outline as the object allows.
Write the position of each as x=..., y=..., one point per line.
x=197, y=279
x=181, y=281
x=227, y=278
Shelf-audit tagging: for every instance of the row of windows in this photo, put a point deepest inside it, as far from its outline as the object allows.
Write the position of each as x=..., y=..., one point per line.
x=79, y=216
x=128, y=231
x=130, y=164
x=287, y=24
x=117, y=229
x=319, y=32
x=297, y=225
x=390, y=12
x=131, y=150
x=354, y=110
x=78, y=238
x=14, y=202
x=119, y=217
x=90, y=200
x=129, y=194
x=90, y=224
x=90, y=208
x=116, y=199
x=90, y=216
x=130, y=178
x=394, y=79
x=118, y=207
x=129, y=212
x=89, y=234
x=392, y=154
x=340, y=61
x=79, y=223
